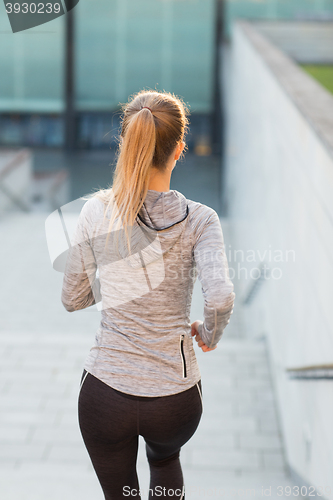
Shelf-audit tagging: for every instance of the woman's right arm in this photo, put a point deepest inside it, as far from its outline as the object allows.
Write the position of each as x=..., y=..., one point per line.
x=217, y=288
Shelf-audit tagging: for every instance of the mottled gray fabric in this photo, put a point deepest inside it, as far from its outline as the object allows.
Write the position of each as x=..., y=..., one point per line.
x=143, y=345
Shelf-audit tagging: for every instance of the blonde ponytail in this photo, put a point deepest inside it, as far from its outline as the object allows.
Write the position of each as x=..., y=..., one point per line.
x=153, y=124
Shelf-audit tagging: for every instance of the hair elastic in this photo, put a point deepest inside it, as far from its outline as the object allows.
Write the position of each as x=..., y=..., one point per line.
x=146, y=107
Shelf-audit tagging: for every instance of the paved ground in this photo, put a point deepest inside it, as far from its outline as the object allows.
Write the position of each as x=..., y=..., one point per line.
x=237, y=446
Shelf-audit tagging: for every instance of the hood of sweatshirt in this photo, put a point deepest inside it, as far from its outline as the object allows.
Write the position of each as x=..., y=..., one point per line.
x=159, y=224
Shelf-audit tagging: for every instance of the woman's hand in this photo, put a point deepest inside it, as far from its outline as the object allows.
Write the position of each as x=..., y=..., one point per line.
x=194, y=331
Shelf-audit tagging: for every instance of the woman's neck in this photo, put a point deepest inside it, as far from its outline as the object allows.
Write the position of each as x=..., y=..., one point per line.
x=160, y=181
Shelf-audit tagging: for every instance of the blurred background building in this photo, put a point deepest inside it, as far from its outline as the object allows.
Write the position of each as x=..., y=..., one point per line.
x=62, y=82
x=119, y=46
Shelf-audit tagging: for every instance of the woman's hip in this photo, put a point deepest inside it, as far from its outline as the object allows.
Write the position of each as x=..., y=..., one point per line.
x=106, y=411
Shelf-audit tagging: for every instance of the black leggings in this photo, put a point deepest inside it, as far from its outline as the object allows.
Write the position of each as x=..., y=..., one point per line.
x=111, y=422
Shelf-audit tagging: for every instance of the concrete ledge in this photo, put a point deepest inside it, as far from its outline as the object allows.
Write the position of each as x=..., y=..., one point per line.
x=312, y=99
x=307, y=42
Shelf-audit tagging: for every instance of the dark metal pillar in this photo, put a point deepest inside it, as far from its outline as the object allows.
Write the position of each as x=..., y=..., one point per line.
x=218, y=127
x=217, y=111
x=70, y=132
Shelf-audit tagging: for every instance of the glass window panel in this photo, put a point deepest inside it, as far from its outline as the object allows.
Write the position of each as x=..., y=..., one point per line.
x=31, y=64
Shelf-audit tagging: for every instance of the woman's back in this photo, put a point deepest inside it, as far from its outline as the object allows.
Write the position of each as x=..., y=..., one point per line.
x=144, y=345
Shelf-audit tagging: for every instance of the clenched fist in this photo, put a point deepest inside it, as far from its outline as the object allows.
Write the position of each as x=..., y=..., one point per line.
x=194, y=331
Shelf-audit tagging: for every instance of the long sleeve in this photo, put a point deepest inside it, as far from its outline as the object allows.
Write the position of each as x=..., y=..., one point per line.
x=213, y=273
x=81, y=286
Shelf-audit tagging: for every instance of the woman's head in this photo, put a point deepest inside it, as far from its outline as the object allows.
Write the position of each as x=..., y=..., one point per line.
x=153, y=127
x=161, y=118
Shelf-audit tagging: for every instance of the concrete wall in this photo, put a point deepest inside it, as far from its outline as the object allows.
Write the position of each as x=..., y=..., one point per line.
x=279, y=185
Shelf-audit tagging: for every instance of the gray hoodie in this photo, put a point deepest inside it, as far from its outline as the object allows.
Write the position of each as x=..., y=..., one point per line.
x=143, y=345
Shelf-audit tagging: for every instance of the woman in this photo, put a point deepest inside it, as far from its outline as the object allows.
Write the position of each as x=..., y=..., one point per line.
x=141, y=377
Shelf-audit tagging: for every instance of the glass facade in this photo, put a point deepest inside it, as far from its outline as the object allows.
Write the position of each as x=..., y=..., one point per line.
x=126, y=45
x=31, y=67
x=276, y=9
x=121, y=46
